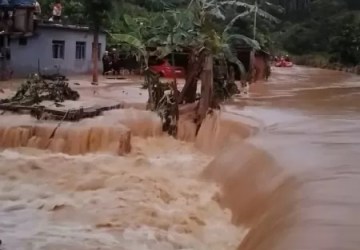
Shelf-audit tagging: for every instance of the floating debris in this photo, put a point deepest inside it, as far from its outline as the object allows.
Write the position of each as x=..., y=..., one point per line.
x=37, y=89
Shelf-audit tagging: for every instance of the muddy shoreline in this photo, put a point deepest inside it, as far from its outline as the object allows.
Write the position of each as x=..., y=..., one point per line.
x=311, y=62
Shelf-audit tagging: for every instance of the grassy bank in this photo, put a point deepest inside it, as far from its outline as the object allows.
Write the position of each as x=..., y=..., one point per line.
x=323, y=61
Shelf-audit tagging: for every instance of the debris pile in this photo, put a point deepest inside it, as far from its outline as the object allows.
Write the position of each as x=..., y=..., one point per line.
x=36, y=89
x=163, y=100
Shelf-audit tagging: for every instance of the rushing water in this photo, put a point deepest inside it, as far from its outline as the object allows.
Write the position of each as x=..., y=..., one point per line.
x=285, y=159
x=303, y=192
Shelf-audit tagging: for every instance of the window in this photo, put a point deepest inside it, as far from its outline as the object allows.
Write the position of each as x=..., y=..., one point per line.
x=58, y=48
x=80, y=50
x=99, y=50
x=23, y=41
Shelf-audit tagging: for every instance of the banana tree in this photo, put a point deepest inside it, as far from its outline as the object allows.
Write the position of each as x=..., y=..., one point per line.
x=253, y=8
x=134, y=42
x=206, y=15
x=194, y=28
x=136, y=33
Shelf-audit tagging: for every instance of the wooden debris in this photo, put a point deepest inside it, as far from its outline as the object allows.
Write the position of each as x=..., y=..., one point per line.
x=43, y=113
x=163, y=99
x=54, y=77
x=36, y=90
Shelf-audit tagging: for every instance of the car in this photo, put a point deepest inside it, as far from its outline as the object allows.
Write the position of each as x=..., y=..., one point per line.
x=284, y=63
x=165, y=69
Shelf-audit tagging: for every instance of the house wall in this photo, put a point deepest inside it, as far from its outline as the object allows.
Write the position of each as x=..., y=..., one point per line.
x=260, y=66
x=259, y=63
x=25, y=58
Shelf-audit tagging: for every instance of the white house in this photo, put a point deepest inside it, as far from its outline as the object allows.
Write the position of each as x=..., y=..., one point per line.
x=66, y=47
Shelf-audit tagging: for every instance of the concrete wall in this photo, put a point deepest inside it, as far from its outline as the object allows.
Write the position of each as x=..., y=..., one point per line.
x=24, y=58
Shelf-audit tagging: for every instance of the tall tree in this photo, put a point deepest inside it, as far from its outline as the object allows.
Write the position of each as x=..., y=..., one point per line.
x=96, y=12
x=255, y=8
x=328, y=33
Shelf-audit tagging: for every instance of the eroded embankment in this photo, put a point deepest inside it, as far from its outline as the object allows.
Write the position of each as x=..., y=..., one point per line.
x=108, y=133
x=258, y=191
x=260, y=194
x=248, y=178
x=309, y=208
x=151, y=198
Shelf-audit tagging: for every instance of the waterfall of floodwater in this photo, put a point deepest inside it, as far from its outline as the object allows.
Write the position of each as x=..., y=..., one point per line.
x=292, y=181
x=150, y=199
x=295, y=183
x=108, y=133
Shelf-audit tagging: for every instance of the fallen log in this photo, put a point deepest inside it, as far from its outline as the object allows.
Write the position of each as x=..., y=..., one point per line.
x=44, y=113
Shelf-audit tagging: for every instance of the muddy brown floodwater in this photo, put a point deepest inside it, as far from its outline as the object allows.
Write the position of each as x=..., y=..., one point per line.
x=300, y=191
x=276, y=170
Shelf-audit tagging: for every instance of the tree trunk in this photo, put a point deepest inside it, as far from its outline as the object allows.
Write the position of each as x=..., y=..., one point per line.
x=173, y=58
x=251, y=73
x=207, y=79
x=255, y=20
x=194, y=69
x=95, y=69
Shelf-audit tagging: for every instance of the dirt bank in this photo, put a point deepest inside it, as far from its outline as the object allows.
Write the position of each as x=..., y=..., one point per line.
x=318, y=61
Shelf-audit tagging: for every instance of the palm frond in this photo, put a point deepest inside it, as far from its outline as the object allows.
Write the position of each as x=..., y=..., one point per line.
x=267, y=16
x=237, y=37
x=274, y=7
x=162, y=51
x=238, y=3
x=216, y=12
x=232, y=22
x=131, y=40
x=231, y=57
x=130, y=22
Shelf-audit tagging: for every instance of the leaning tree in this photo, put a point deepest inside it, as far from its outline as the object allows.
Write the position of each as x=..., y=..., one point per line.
x=200, y=28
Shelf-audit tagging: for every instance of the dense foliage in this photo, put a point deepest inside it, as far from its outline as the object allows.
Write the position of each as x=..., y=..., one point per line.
x=326, y=28
x=330, y=28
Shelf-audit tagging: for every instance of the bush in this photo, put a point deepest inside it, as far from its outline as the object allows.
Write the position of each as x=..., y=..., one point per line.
x=315, y=60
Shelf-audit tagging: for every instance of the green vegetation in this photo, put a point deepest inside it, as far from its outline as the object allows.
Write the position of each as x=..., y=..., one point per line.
x=317, y=32
x=329, y=29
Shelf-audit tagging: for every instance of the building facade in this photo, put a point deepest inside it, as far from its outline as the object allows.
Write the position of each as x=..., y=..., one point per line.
x=52, y=48
x=260, y=62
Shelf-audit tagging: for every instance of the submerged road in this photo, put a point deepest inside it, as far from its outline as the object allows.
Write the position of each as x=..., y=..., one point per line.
x=310, y=126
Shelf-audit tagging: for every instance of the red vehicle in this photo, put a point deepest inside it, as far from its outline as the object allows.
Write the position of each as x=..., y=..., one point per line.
x=284, y=64
x=165, y=69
